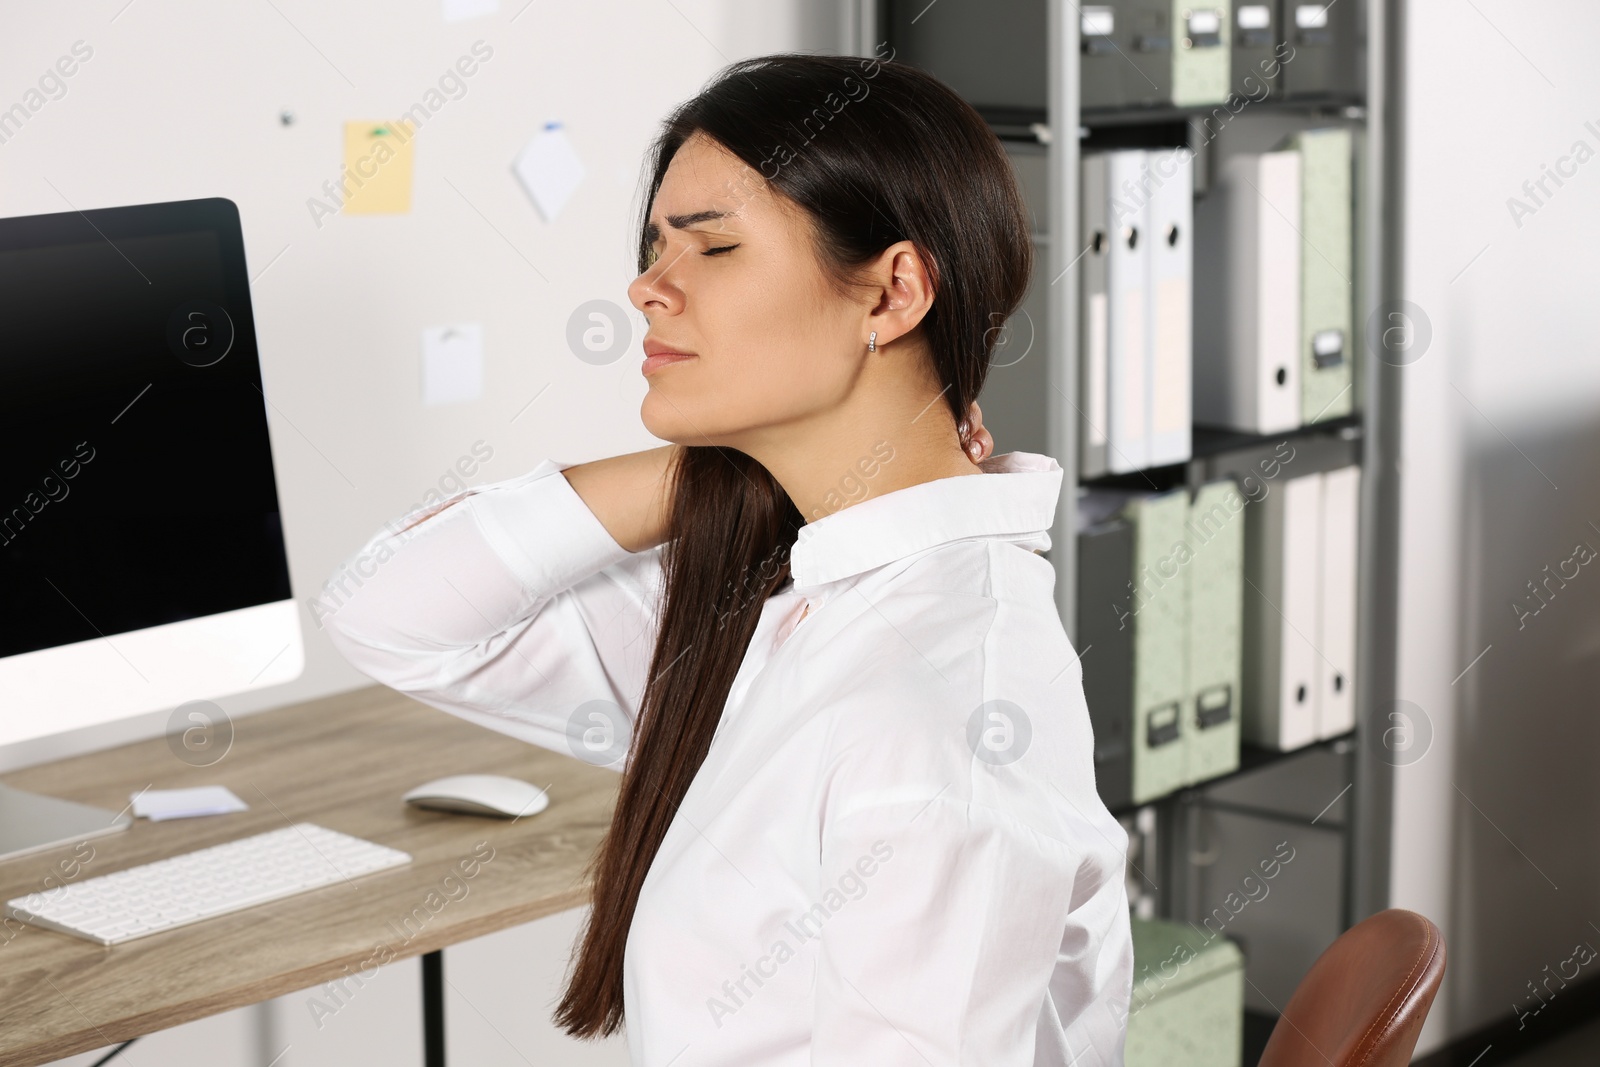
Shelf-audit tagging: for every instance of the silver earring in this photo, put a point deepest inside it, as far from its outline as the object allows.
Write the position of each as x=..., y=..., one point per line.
x=872, y=342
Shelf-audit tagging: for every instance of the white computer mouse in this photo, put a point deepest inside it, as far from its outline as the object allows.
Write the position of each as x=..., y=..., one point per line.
x=480, y=794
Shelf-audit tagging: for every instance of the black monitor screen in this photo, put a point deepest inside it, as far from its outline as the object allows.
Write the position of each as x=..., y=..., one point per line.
x=136, y=483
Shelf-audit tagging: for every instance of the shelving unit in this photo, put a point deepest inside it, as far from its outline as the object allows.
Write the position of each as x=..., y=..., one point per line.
x=1251, y=759
x=1046, y=146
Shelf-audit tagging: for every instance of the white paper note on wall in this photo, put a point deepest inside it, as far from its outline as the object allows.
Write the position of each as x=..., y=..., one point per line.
x=452, y=363
x=549, y=169
x=456, y=10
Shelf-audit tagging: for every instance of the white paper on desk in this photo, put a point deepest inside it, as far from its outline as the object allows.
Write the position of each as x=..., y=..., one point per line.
x=158, y=804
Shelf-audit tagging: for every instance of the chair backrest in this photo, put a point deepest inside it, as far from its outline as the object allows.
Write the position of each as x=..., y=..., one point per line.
x=1363, y=1002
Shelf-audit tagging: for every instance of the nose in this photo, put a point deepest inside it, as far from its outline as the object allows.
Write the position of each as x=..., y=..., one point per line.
x=653, y=289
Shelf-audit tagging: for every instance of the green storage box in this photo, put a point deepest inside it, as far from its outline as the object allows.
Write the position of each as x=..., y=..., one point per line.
x=1188, y=997
x=1160, y=606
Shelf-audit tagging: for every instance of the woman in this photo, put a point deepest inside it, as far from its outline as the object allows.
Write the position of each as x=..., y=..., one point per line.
x=857, y=821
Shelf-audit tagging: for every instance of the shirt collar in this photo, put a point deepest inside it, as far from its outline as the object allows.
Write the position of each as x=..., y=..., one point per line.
x=1014, y=499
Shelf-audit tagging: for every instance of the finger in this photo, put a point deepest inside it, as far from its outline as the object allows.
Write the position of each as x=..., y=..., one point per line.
x=986, y=440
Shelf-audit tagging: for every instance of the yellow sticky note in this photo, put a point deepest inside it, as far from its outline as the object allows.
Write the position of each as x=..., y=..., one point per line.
x=377, y=167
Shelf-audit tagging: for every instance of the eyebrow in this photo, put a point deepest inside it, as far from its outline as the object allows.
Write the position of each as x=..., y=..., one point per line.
x=652, y=232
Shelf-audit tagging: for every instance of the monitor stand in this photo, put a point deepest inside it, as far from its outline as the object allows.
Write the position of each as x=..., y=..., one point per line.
x=30, y=822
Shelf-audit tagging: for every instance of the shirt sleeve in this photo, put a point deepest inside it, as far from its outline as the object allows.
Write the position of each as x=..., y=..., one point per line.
x=512, y=607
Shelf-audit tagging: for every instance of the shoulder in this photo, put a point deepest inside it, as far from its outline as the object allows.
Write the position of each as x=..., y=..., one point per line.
x=944, y=678
x=957, y=673
x=1008, y=568
x=956, y=625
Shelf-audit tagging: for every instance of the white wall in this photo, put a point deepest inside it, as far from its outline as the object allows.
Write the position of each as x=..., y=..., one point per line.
x=181, y=99
x=1494, y=827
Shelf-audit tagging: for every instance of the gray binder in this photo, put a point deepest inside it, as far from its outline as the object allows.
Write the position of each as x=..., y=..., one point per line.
x=1127, y=53
x=1017, y=389
x=992, y=53
x=1327, y=53
x=1105, y=645
x=1256, y=56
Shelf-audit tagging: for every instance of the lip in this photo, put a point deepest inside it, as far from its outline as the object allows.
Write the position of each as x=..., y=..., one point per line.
x=658, y=356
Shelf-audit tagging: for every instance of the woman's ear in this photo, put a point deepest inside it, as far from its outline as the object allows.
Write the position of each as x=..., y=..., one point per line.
x=905, y=292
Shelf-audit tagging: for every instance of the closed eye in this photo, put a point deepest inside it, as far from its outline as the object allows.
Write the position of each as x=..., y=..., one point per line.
x=716, y=251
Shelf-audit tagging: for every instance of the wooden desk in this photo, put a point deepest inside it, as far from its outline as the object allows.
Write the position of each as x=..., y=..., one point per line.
x=341, y=762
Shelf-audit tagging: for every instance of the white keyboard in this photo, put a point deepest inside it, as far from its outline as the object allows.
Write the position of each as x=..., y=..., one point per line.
x=118, y=907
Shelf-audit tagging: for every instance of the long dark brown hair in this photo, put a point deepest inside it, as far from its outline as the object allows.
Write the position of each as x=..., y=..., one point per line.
x=875, y=152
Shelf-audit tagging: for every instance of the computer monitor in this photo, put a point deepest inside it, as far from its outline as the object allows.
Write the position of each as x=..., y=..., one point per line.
x=142, y=563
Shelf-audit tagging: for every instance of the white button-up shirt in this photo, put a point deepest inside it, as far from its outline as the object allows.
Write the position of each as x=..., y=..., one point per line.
x=894, y=852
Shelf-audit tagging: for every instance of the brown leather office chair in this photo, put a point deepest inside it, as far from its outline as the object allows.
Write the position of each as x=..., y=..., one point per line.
x=1363, y=1002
